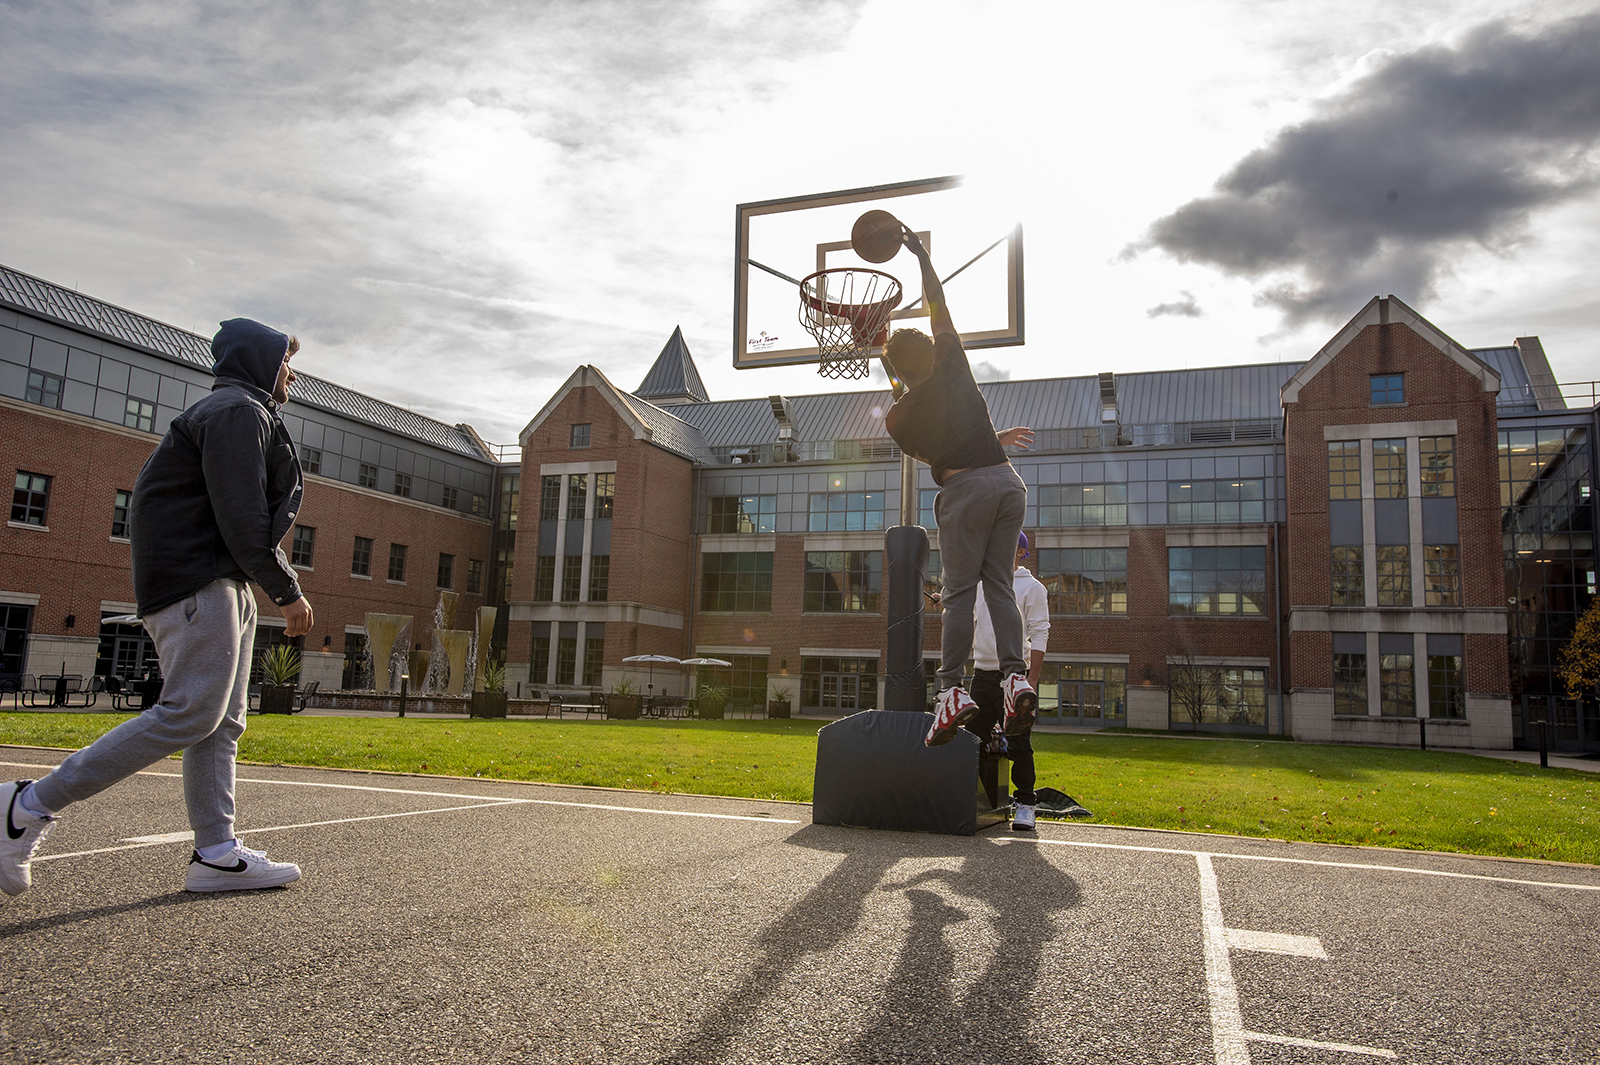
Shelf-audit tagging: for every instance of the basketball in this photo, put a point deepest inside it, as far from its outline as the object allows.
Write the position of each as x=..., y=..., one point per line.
x=876, y=236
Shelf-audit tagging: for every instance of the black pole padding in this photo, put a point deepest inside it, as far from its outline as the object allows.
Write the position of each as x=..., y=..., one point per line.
x=1544, y=741
x=403, y=679
x=906, y=551
x=1422, y=730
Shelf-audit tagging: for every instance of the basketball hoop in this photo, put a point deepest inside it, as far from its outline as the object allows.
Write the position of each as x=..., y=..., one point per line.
x=847, y=310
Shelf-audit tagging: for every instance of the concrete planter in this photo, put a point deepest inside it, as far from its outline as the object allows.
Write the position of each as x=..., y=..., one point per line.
x=488, y=704
x=277, y=699
x=778, y=709
x=711, y=713
x=624, y=707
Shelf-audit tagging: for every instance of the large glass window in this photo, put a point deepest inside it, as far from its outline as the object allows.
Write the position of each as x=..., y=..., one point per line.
x=843, y=581
x=1085, y=580
x=1209, y=581
x=119, y=514
x=835, y=685
x=1394, y=575
x=1389, y=468
x=447, y=498
x=1437, y=457
x=544, y=579
x=539, y=656
x=1447, y=686
x=845, y=511
x=310, y=459
x=1397, y=683
x=745, y=679
x=1349, y=577
x=1083, y=504
x=447, y=566
x=550, y=497
x=1344, y=469
x=45, y=389
x=505, y=562
x=474, y=576
x=30, y=502
x=1388, y=389
x=599, y=578
x=605, y=492
x=1441, y=575
x=742, y=514
x=510, y=496
x=1224, y=502
x=577, y=495
x=367, y=476
x=566, y=660
x=736, y=582
x=571, y=578
x=925, y=515
x=14, y=621
x=1350, y=683
x=402, y=485
x=1220, y=695
x=1086, y=691
x=397, y=562
x=303, y=546
x=594, y=659
x=361, y=558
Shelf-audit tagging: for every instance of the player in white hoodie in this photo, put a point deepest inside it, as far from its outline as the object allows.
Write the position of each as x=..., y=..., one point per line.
x=1034, y=604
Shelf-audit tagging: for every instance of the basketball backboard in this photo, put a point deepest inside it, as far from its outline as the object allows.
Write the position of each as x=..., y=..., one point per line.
x=778, y=242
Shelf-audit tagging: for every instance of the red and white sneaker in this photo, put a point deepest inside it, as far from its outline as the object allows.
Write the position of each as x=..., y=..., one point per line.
x=1022, y=704
x=954, y=709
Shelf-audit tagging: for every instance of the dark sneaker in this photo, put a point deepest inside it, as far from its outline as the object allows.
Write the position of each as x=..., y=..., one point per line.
x=954, y=709
x=241, y=869
x=1022, y=704
x=24, y=832
x=1022, y=820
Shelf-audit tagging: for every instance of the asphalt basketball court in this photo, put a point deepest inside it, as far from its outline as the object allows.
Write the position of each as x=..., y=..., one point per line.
x=473, y=920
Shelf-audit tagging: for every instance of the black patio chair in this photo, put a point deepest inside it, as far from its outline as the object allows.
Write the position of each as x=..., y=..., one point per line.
x=123, y=698
x=306, y=694
x=89, y=693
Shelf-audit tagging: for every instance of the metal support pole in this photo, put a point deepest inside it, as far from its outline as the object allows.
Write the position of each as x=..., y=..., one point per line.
x=1544, y=741
x=1422, y=731
x=404, y=678
x=909, y=511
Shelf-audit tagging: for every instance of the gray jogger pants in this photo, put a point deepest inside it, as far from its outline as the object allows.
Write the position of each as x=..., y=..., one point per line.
x=204, y=644
x=980, y=514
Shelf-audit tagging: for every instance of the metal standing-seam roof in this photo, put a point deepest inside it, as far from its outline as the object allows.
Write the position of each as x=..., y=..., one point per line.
x=673, y=374
x=1212, y=394
x=669, y=431
x=45, y=299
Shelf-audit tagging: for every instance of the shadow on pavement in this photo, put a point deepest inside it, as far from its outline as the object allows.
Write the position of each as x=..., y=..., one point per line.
x=40, y=924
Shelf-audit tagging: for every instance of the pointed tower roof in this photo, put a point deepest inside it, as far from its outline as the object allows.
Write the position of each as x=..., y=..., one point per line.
x=673, y=378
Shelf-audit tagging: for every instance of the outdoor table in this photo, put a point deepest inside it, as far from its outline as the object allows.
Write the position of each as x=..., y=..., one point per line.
x=149, y=691
x=57, y=687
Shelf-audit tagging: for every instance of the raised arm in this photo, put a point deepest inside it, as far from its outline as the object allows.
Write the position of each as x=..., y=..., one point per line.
x=932, y=288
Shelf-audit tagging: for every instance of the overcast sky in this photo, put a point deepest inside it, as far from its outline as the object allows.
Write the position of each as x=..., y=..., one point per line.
x=455, y=204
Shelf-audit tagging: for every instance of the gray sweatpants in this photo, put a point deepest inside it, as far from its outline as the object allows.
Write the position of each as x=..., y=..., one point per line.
x=204, y=644
x=980, y=515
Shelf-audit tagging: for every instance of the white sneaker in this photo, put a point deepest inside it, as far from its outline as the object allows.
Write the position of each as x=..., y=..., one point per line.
x=24, y=832
x=1022, y=820
x=241, y=869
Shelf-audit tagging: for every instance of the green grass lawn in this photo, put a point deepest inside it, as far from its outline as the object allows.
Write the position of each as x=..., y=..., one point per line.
x=1423, y=800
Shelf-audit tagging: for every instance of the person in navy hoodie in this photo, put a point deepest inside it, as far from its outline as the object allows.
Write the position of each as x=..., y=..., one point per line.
x=209, y=510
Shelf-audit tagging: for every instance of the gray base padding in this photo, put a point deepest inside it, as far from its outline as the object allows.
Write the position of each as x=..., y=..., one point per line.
x=874, y=772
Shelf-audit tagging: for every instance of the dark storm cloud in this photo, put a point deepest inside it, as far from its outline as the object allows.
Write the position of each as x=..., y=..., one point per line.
x=1434, y=151
x=453, y=203
x=1184, y=308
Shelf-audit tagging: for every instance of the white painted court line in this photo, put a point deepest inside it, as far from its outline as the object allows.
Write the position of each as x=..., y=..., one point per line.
x=1228, y=1033
x=1317, y=1044
x=1307, y=861
x=1275, y=943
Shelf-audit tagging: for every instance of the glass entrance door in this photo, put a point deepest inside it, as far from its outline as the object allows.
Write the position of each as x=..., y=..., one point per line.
x=1072, y=693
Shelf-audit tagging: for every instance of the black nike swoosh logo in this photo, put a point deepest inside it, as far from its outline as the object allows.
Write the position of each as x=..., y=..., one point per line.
x=241, y=867
x=12, y=832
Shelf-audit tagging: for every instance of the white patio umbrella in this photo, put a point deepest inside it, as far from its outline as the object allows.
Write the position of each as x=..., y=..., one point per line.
x=652, y=660
x=698, y=662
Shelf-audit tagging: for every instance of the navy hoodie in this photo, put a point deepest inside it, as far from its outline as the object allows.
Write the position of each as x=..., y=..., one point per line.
x=223, y=486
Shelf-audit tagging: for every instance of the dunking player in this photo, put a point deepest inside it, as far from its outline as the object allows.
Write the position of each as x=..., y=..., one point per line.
x=940, y=418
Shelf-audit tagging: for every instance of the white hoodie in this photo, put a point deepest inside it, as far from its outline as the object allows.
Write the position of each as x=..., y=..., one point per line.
x=1034, y=603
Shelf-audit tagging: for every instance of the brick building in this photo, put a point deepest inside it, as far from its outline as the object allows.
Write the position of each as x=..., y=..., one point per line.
x=1397, y=529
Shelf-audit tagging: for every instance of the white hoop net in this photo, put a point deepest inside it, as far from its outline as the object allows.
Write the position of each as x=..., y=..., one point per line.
x=847, y=310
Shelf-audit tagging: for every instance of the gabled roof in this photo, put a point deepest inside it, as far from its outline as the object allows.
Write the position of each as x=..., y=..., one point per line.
x=1389, y=310
x=673, y=378
x=648, y=422
x=44, y=299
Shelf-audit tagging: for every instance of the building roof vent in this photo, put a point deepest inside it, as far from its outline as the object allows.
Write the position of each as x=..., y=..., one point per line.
x=784, y=416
